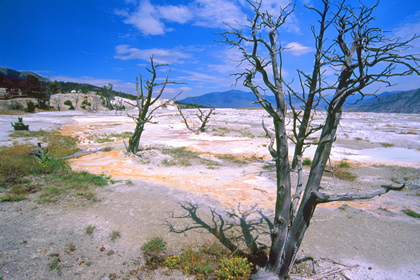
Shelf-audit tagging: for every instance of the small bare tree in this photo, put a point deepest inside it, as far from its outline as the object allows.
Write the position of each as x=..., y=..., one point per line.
x=360, y=55
x=146, y=103
x=203, y=116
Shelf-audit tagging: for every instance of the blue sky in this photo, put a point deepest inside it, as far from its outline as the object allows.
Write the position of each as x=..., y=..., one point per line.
x=110, y=41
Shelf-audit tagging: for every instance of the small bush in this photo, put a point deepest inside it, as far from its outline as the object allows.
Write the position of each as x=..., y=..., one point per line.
x=70, y=104
x=89, y=229
x=19, y=125
x=412, y=213
x=30, y=107
x=307, y=161
x=115, y=234
x=154, y=252
x=234, y=268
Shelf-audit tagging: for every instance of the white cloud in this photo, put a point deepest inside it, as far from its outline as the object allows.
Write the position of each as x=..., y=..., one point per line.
x=152, y=19
x=145, y=19
x=163, y=56
x=297, y=49
x=214, y=13
x=179, y=14
x=199, y=76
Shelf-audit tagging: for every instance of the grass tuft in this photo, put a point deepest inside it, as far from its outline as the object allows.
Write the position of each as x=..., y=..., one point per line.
x=53, y=177
x=89, y=229
x=115, y=234
x=412, y=213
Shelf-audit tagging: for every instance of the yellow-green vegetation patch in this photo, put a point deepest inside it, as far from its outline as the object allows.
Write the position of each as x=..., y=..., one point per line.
x=234, y=158
x=206, y=261
x=22, y=173
x=411, y=132
x=110, y=137
x=224, y=131
x=115, y=234
x=183, y=157
x=386, y=145
x=341, y=171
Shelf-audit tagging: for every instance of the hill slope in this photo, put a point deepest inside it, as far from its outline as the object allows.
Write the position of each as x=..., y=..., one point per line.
x=226, y=99
x=402, y=102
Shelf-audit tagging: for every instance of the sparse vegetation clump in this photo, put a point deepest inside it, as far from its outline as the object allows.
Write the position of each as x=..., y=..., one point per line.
x=114, y=235
x=340, y=171
x=89, y=229
x=234, y=158
x=183, y=157
x=386, y=145
x=412, y=213
x=19, y=125
x=70, y=104
x=207, y=261
x=23, y=173
x=30, y=107
x=154, y=252
x=307, y=161
x=224, y=131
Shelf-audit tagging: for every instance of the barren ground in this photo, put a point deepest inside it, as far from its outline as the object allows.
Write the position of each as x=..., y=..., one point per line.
x=375, y=237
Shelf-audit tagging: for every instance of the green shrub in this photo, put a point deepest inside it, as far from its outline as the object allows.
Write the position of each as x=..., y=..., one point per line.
x=89, y=229
x=234, y=268
x=154, y=252
x=30, y=107
x=68, y=103
x=412, y=213
x=307, y=161
x=19, y=125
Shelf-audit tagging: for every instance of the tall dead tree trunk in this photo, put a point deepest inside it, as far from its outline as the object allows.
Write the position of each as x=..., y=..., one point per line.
x=356, y=54
x=146, y=103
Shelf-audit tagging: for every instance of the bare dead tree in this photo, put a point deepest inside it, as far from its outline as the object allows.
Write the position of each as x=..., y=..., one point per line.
x=108, y=96
x=202, y=115
x=146, y=103
x=76, y=100
x=361, y=55
x=119, y=106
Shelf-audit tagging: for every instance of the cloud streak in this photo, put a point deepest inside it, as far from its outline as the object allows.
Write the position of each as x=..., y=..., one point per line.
x=163, y=56
x=297, y=49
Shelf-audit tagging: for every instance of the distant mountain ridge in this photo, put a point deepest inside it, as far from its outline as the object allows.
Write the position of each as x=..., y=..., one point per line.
x=407, y=102
x=226, y=99
x=391, y=102
x=19, y=75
